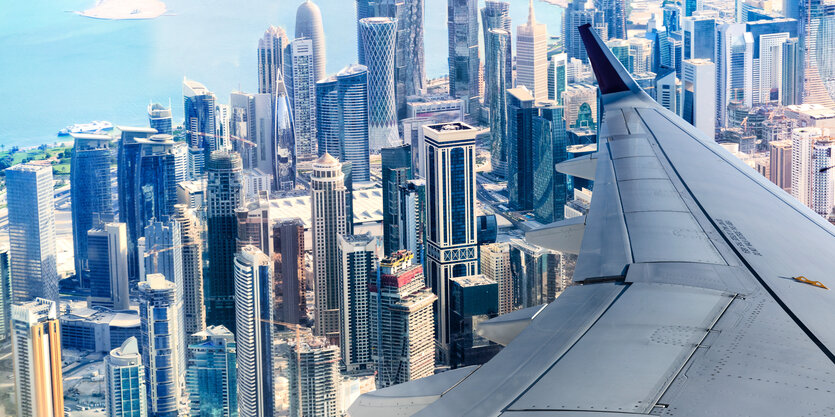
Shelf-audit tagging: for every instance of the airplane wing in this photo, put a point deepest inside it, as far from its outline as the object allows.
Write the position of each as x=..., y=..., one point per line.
x=687, y=303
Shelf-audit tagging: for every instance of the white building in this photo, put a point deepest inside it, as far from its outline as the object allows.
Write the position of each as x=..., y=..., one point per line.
x=532, y=56
x=161, y=327
x=358, y=255
x=314, y=378
x=125, y=378
x=698, y=103
x=495, y=264
x=302, y=85
x=36, y=344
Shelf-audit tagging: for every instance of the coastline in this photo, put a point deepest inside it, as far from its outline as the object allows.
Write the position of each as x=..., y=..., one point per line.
x=125, y=10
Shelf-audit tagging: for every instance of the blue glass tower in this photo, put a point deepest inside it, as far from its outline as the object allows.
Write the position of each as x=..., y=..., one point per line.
x=211, y=380
x=379, y=35
x=199, y=109
x=550, y=188
x=130, y=147
x=397, y=169
x=520, y=112
x=284, y=166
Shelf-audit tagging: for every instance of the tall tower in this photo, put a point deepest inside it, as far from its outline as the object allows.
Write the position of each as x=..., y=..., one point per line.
x=358, y=257
x=520, y=146
x=699, y=95
x=162, y=350
x=254, y=225
x=164, y=252
x=283, y=159
x=289, y=270
x=495, y=15
x=124, y=375
x=194, y=312
x=5, y=296
x=302, y=83
x=451, y=221
x=328, y=216
x=532, y=56
x=462, y=27
x=402, y=321
x=224, y=193
x=89, y=193
x=309, y=25
x=409, y=61
x=251, y=120
x=254, y=318
x=413, y=218
x=495, y=265
x=576, y=14
x=397, y=169
x=498, y=74
x=557, y=79
x=31, y=208
x=108, y=266
x=36, y=344
x=159, y=118
x=271, y=52
x=211, y=379
x=199, y=108
x=314, y=378
x=550, y=188
x=378, y=36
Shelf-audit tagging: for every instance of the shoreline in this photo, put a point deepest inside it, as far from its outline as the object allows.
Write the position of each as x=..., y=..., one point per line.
x=125, y=10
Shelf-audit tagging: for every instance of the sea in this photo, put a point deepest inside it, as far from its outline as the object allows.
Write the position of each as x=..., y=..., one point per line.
x=58, y=68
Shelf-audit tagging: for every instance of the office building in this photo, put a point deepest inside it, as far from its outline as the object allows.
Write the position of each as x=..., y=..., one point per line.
x=211, y=379
x=666, y=89
x=128, y=163
x=254, y=225
x=124, y=375
x=640, y=55
x=224, y=194
x=532, y=56
x=200, y=118
x=450, y=216
x=156, y=181
x=804, y=164
x=358, y=256
x=379, y=36
x=96, y=329
x=780, y=164
x=520, y=147
x=535, y=273
x=614, y=17
x=289, y=271
x=163, y=353
x=254, y=318
x=580, y=102
x=791, y=89
x=462, y=29
x=699, y=35
x=181, y=165
x=576, y=15
x=402, y=321
x=499, y=78
x=473, y=299
x=250, y=127
x=272, y=48
x=620, y=49
x=699, y=95
x=160, y=119
x=495, y=15
x=108, y=266
x=36, y=348
x=495, y=265
x=823, y=178
x=412, y=218
x=163, y=253
x=194, y=312
x=302, y=86
x=31, y=214
x=314, y=378
x=309, y=25
x=397, y=169
x=89, y=193
x=557, y=76
x=329, y=222
x=549, y=188
x=5, y=296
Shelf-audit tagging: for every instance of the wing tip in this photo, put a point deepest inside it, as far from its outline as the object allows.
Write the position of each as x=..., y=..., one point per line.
x=610, y=74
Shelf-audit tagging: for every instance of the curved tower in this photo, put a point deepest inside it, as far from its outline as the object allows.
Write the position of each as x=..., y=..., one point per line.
x=285, y=143
x=309, y=25
x=378, y=38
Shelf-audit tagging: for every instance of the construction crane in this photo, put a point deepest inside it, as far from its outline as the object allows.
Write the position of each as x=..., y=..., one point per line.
x=155, y=252
x=212, y=135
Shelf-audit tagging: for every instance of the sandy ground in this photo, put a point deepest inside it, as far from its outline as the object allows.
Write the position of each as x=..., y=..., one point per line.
x=125, y=9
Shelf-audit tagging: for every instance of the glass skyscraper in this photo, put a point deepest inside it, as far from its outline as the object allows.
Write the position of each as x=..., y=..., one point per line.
x=379, y=35
x=397, y=169
x=159, y=315
x=342, y=118
x=301, y=84
x=124, y=375
x=211, y=378
x=159, y=118
x=358, y=255
x=128, y=163
x=520, y=148
x=200, y=119
x=108, y=266
x=272, y=48
x=462, y=29
x=498, y=75
x=309, y=25
x=289, y=270
x=550, y=188
x=284, y=141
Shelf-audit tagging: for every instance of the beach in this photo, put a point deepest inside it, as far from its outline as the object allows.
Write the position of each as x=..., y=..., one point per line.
x=125, y=9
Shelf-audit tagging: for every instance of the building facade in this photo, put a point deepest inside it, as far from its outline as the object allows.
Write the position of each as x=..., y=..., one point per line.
x=358, y=255
x=532, y=56
x=379, y=35
x=289, y=271
x=272, y=48
x=108, y=266
x=211, y=378
x=462, y=29
x=159, y=118
x=303, y=87
x=498, y=78
x=36, y=347
x=397, y=169
x=495, y=265
x=520, y=155
x=314, y=378
x=194, y=311
x=124, y=375
x=309, y=25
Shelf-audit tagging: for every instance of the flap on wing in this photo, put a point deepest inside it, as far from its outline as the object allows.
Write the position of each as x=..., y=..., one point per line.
x=581, y=167
x=563, y=236
x=505, y=328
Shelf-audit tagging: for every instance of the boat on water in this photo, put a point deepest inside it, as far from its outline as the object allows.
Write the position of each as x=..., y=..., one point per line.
x=95, y=126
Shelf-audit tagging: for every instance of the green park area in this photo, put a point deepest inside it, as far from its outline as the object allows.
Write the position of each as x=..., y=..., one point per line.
x=59, y=157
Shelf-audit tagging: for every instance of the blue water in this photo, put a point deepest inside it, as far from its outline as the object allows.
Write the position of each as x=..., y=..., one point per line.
x=58, y=68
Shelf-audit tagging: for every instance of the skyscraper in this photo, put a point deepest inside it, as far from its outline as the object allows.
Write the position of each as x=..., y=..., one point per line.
x=557, y=80
x=283, y=159
x=159, y=118
x=550, y=188
x=254, y=225
x=5, y=296
x=576, y=14
x=309, y=25
x=495, y=15
x=343, y=118
x=520, y=149
x=224, y=193
x=792, y=69
x=580, y=103
x=535, y=274
x=302, y=84
x=289, y=271
x=780, y=164
x=358, y=258
x=272, y=48
x=402, y=321
x=365, y=8
x=614, y=15
x=823, y=179
x=254, y=318
x=108, y=266
x=162, y=350
x=89, y=193
x=397, y=169
x=532, y=56
x=413, y=218
x=251, y=128
x=31, y=213
x=379, y=35
x=328, y=217
x=314, y=378
x=498, y=74
x=495, y=265
x=36, y=345
x=734, y=68
x=699, y=94
x=451, y=249
x=199, y=108
x=125, y=395
x=163, y=253
x=211, y=379
x=666, y=90
x=473, y=299
x=699, y=35
x=462, y=29
x=194, y=312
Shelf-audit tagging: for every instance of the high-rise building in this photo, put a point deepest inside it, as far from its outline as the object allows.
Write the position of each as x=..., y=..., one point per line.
x=450, y=216
x=498, y=76
x=314, y=378
x=251, y=127
x=89, y=193
x=495, y=15
x=780, y=164
x=734, y=68
x=614, y=15
x=532, y=56
x=699, y=35
x=125, y=395
x=5, y=296
x=397, y=169
x=272, y=48
x=520, y=147
x=254, y=225
x=666, y=89
x=159, y=118
x=473, y=299
x=549, y=187
x=379, y=35
x=163, y=253
x=640, y=55
x=200, y=124
x=108, y=266
x=343, y=119
x=194, y=312
x=162, y=349
x=181, y=169
x=283, y=158
x=576, y=15
x=358, y=256
x=302, y=85
x=823, y=181
x=224, y=194
x=156, y=180
x=557, y=80
x=580, y=103
x=211, y=379
x=254, y=316
x=462, y=29
x=31, y=214
x=768, y=38
x=36, y=345
x=128, y=163
x=289, y=271
x=792, y=72
x=495, y=265
x=699, y=95
x=329, y=222
x=535, y=273
x=402, y=321
x=413, y=218
x=309, y=25
x=365, y=8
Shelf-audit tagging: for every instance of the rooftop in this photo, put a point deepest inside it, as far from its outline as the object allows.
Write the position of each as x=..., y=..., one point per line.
x=473, y=280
